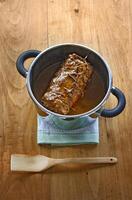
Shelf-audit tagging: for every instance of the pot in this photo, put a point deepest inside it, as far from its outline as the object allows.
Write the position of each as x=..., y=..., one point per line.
x=48, y=61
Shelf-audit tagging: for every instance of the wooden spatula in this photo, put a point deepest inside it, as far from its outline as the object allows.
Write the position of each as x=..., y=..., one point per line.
x=20, y=162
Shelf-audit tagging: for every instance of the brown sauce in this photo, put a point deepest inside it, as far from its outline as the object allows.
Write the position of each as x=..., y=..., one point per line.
x=93, y=95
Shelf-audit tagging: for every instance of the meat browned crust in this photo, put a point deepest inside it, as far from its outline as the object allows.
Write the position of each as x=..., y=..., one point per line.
x=68, y=85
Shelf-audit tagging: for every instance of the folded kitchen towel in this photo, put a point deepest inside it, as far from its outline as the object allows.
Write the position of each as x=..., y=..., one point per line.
x=56, y=131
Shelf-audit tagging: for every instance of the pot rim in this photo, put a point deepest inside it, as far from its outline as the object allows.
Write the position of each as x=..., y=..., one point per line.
x=90, y=112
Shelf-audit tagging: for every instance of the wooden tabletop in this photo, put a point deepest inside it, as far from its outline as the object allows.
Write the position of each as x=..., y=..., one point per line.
x=105, y=26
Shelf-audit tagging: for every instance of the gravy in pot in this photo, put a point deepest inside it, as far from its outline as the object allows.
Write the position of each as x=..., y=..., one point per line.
x=93, y=95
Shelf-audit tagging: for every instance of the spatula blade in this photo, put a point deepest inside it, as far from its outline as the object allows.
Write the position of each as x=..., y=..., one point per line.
x=24, y=163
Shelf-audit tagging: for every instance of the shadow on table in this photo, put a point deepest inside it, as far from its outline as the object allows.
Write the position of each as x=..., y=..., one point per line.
x=75, y=168
x=68, y=168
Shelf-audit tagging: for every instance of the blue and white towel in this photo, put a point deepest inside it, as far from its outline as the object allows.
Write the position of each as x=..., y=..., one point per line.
x=55, y=131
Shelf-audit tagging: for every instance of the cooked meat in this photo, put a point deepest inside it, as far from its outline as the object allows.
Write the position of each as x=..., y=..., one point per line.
x=68, y=85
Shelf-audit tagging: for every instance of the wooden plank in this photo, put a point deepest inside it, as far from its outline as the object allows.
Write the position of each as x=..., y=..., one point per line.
x=98, y=26
x=105, y=26
x=23, y=27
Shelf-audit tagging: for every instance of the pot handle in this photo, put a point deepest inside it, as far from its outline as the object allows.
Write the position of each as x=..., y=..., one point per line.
x=21, y=59
x=120, y=106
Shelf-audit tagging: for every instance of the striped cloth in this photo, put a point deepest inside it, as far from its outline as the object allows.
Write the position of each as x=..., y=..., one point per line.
x=56, y=131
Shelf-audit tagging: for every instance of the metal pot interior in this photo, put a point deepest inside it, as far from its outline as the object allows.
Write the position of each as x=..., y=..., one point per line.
x=49, y=61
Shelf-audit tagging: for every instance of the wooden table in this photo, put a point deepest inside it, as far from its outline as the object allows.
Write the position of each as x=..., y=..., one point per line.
x=105, y=26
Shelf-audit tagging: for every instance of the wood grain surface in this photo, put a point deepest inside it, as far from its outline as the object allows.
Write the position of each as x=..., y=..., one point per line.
x=105, y=26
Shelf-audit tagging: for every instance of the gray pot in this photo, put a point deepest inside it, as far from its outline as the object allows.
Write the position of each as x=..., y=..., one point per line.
x=47, y=62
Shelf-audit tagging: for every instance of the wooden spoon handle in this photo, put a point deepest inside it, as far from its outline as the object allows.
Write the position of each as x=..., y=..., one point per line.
x=94, y=160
